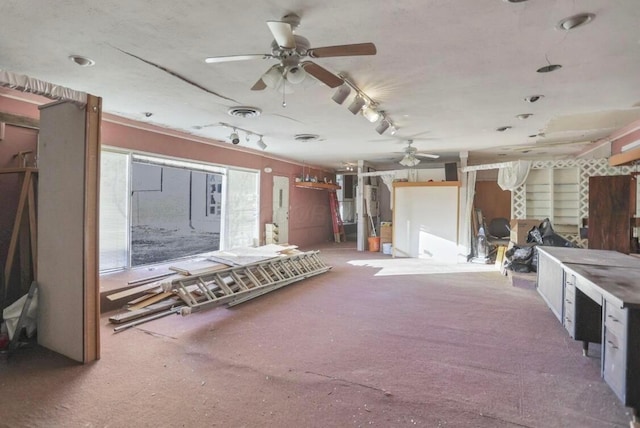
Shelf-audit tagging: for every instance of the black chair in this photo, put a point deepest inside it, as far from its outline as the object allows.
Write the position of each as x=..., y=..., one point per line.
x=498, y=232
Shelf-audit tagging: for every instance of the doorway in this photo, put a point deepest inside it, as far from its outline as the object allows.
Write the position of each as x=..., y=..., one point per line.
x=281, y=207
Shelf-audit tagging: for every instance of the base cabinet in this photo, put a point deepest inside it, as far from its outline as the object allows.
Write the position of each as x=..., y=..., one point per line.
x=621, y=353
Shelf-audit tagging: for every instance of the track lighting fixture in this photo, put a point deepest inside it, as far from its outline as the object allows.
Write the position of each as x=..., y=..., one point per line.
x=235, y=136
x=341, y=94
x=363, y=104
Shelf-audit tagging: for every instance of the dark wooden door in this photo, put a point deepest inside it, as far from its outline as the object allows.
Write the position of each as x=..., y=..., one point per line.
x=611, y=206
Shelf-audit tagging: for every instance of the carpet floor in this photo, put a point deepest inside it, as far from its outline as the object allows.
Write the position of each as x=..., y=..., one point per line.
x=370, y=343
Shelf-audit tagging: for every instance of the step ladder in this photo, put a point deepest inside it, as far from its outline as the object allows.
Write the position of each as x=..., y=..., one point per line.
x=239, y=284
x=338, y=226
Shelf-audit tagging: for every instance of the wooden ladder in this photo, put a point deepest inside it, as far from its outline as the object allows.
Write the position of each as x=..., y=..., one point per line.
x=338, y=226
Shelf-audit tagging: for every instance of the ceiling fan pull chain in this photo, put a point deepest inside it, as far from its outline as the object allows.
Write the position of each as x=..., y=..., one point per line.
x=284, y=100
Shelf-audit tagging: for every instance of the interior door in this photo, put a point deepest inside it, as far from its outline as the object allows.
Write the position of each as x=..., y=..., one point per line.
x=281, y=207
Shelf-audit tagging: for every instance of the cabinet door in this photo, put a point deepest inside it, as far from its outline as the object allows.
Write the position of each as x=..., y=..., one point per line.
x=551, y=283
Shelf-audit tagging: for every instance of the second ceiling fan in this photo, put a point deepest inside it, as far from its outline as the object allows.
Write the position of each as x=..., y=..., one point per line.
x=290, y=49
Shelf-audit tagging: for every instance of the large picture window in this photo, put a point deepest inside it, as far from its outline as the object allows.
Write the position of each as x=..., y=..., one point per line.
x=157, y=209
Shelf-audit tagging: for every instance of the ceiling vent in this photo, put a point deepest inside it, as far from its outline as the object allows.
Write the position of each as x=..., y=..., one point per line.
x=244, y=111
x=306, y=137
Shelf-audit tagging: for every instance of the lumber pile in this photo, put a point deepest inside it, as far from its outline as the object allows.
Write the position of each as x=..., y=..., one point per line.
x=158, y=296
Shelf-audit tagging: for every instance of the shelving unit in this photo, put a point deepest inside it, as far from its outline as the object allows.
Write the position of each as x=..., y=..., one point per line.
x=554, y=194
x=316, y=186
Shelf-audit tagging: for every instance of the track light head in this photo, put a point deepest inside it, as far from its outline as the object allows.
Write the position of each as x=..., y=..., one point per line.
x=261, y=144
x=235, y=139
x=370, y=113
x=382, y=126
x=357, y=104
x=341, y=94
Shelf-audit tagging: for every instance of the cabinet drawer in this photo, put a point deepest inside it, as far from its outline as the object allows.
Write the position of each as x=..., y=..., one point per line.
x=615, y=319
x=614, y=364
x=569, y=279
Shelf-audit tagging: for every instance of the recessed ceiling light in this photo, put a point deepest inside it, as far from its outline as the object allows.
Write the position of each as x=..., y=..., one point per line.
x=524, y=116
x=244, y=111
x=306, y=137
x=533, y=98
x=503, y=128
x=82, y=61
x=549, y=68
x=575, y=21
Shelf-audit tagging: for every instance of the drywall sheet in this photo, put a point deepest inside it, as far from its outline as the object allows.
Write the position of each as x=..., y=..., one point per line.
x=425, y=222
x=61, y=205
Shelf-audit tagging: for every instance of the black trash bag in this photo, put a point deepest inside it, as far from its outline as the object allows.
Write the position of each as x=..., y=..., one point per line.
x=534, y=235
x=518, y=259
x=545, y=235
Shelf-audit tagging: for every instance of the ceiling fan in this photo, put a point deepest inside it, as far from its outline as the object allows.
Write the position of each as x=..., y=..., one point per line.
x=290, y=49
x=411, y=155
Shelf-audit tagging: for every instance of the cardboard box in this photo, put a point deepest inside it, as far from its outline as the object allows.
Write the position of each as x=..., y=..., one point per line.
x=520, y=228
x=386, y=233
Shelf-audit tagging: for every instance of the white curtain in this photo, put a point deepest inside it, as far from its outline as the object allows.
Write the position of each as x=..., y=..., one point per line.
x=466, y=230
x=513, y=176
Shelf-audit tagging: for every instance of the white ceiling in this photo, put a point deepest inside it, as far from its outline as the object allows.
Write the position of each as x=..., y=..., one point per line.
x=447, y=72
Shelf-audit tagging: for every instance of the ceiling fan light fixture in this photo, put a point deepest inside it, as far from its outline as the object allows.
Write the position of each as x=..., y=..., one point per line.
x=295, y=74
x=272, y=77
x=341, y=94
x=357, y=105
x=409, y=160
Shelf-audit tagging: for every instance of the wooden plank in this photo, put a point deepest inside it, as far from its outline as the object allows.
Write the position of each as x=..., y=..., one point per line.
x=91, y=255
x=141, y=298
x=198, y=267
x=151, y=300
x=151, y=309
x=625, y=158
x=20, y=121
x=17, y=170
x=131, y=291
x=33, y=226
x=148, y=279
x=16, y=228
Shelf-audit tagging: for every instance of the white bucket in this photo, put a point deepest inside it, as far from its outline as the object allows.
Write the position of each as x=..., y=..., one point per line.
x=386, y=248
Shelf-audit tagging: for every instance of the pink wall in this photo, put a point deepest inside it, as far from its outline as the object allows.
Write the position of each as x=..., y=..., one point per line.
x=625, y=136
x=309, y=216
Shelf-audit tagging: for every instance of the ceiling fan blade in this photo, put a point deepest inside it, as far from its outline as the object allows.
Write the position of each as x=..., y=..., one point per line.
x=215, y=59
x=283, y=33
x=343, y=50
x=259, y=85
x=427, y=155
x=322, y=74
